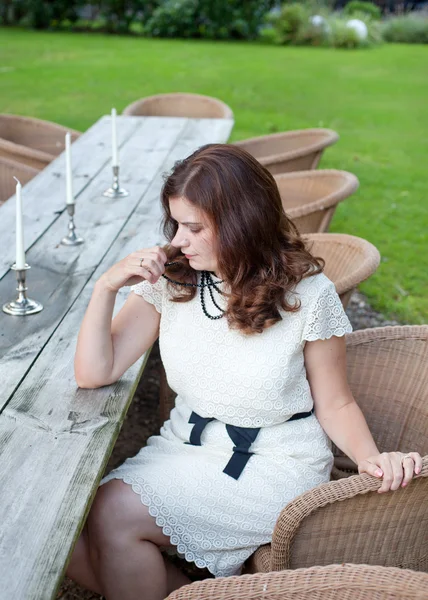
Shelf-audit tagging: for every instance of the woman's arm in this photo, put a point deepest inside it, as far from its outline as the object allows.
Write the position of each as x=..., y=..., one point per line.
x=342, y=419
x=106, y=348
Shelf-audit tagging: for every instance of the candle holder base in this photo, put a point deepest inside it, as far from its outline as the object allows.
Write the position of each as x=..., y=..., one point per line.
x=72, y=240
x=111, y=192
x=22, y=306
x=115, y=191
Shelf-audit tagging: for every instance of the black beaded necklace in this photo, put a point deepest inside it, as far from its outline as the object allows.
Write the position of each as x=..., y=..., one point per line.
x=206, y=282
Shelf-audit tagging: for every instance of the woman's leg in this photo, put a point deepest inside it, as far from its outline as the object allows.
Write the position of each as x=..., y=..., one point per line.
x=81, y=571
x=80, y=567
x=124, y=545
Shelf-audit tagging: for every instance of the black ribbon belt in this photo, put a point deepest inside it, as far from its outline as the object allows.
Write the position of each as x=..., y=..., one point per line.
x=242, y=437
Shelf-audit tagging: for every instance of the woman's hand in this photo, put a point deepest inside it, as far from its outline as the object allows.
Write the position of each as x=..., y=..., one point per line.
x=396, y=468
x=148, y=263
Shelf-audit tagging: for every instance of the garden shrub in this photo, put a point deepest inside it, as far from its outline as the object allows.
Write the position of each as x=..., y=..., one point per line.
x=357, y=7
x=119, y=14
x=44, y=14
x=240, y=19
x=297, y=24
x=289, y=22
x=406, y=29
x=174, y=18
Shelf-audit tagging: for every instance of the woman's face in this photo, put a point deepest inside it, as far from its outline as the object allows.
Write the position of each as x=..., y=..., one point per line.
x=194, y=236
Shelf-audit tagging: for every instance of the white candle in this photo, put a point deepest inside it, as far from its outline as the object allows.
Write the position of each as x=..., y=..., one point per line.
x=68, y=176
x=114, y=152
x=20, y=252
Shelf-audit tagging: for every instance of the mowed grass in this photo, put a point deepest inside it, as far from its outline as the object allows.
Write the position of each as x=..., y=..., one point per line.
x=377, y=100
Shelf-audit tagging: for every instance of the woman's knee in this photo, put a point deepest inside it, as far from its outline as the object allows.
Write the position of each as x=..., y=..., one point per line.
x=118, y=517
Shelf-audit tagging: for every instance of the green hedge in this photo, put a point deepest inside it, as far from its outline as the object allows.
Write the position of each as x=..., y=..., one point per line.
x=293, y=23
x=215, y=19
x=407, y=29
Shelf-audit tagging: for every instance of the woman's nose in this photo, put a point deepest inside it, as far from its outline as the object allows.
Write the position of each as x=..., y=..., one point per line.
x=179, y=241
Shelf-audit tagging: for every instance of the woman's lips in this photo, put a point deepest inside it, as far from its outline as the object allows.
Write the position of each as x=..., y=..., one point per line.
x=189, y=255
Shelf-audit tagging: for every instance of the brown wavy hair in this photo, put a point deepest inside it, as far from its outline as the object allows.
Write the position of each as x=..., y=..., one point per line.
x=259, y=251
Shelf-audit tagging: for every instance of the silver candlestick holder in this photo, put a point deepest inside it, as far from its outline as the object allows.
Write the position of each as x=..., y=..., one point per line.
x=22, y=306
x=115, y=191
x=71, y=239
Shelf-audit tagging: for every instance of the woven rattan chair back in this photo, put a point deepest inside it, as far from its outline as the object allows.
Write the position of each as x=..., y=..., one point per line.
x=349, y=260
x=309, y=198
x=387, y=372
x=32, y=141
x=10, y=169
x=332, y=582
x=193, y=106
x=346, y=520
x=299, y=150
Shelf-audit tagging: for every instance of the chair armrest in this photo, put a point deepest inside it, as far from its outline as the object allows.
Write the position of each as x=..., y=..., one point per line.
x=293, y=515
x=359, y=582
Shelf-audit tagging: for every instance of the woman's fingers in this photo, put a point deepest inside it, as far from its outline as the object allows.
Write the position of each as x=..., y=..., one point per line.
x=156, y=253
x=149, y=262
x=388, y=473
x=370, y=467
x=395, y=468
x=408, y=468
x=417, y=459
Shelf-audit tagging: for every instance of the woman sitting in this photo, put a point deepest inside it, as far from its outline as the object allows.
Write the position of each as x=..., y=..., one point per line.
x=251, y=335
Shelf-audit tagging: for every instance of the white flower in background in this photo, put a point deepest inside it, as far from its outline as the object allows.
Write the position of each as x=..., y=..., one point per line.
x=359, y=27
x=319, y=22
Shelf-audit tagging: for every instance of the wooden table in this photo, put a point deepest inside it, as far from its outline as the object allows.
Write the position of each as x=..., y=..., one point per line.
x=55, y=439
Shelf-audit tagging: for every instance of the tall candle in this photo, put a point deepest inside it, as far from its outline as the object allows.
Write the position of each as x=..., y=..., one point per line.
x=114, y=153
x=68, y=176
x=20, y=252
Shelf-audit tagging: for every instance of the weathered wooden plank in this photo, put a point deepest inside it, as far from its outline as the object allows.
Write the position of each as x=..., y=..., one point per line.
x=55, y=439
x=44, y=196
x=60, y=272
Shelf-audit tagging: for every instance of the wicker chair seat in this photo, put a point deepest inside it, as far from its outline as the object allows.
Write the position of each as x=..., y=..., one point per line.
x=33, y=142
x=333, y=582
x=193, y=106
x=298, y=150
x=349, y=260
x=10, y=169
x=309, y=198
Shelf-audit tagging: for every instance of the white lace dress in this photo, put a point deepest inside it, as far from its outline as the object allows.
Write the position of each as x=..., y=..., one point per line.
x=212, y=518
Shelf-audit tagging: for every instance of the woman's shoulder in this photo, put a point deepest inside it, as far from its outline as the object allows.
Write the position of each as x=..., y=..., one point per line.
x=313, y=286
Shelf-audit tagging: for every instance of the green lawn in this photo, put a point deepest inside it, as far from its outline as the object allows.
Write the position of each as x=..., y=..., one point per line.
x=377, y=100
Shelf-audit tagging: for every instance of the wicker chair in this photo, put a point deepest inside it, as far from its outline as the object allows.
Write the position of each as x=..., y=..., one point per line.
x=193, y=106
x=289, y=151
x=10, y=169
x=345, y=520
x=32, y=141
x=333, y=582
x=310, y=197
x=349, y=260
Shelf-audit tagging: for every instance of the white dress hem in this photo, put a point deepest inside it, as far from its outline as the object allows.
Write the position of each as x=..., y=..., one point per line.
x=168, y=529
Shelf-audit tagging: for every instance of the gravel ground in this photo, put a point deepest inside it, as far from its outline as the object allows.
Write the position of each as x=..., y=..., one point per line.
x=142, y=419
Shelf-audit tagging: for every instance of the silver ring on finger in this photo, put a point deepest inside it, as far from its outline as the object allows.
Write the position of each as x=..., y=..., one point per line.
x=141, y=262
x=406, y=456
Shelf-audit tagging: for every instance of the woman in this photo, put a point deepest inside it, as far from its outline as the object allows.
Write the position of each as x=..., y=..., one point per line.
x=251, y=335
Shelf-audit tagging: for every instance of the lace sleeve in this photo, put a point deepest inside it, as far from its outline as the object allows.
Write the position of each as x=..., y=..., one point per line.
x=151, y=292
x=325, y=316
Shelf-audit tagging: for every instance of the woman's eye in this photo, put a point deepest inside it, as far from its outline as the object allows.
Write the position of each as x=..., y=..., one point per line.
x=195, y=230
